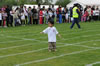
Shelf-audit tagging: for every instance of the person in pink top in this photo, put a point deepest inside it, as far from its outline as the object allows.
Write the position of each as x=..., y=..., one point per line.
x=85, y=15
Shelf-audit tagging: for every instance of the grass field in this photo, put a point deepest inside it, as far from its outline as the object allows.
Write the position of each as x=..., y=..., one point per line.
x=25, y=46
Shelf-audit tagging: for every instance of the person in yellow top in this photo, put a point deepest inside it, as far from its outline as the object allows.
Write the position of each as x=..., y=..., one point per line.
x=75, y=15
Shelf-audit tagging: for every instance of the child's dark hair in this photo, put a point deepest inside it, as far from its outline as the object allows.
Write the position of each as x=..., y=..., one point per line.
x=51, y=20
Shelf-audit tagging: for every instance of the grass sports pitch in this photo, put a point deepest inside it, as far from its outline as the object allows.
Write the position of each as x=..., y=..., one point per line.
x=25, y=46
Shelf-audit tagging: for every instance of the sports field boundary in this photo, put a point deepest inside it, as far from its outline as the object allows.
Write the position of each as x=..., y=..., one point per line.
x=23, y=39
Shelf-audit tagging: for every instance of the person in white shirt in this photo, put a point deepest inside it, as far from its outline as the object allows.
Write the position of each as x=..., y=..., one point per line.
x=66, y=17
x=44, y=13
x=50, y=14
x=26, y=14
x=52, y=32
x=96, y=14
x=47, y=16
x=23, y=18
x=0, y=18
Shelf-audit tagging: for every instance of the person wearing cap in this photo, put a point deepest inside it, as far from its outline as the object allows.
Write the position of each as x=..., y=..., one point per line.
x=75, y=15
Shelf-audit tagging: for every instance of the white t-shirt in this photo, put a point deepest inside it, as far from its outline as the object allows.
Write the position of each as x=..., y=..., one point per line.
x=50, y=14
x=67, y=16
x=0, y=16
x=22, y=16
x=25, y=11
x=96, y=13
x=44, y=12
x=51, y=31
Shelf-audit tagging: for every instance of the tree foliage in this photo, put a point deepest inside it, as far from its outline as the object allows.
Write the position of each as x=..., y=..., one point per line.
x=15, y=2
x=62, y=2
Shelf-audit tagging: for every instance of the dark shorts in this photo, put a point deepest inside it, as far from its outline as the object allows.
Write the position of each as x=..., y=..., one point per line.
x=52, y=45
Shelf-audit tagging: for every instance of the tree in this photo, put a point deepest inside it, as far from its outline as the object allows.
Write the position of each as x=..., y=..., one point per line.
x=47, y=2
x=16, y=2
x=62, y=2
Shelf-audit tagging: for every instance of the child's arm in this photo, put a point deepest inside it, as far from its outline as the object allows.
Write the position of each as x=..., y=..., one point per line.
x=59, y=35
x=44, y=31
x=41, y=33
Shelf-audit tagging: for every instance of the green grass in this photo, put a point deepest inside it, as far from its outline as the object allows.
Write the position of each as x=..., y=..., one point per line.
x=77, y=47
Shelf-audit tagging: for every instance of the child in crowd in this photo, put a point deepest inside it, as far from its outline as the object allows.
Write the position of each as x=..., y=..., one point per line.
x=0, y=17
x=47, y=16
x=35, y=17
x=50, y=13
x=52, y=32
x=23, y=18
x=4, y=14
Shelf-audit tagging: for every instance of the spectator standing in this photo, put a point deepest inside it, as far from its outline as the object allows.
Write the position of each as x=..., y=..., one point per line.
x=23, y=18
x=44, y=12
x=29, y=15
x=11, y=18
x=4, y=18
x=15, y=17
x=41, y=16
x=60, y=14
x=89, y=12
x=64, y=15
x=47, y=16
x=35, y=17
x=96, y=14
x=26, y=14
x=0, y=17
x=8, y=15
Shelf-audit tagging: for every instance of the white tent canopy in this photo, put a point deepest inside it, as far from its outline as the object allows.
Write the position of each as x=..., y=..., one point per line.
x=73, y=2
x=46, y=6
x=84, y=3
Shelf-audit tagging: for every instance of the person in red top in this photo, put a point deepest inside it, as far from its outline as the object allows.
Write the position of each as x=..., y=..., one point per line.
x=41, y=16
x=85, y=15
x=57, y=12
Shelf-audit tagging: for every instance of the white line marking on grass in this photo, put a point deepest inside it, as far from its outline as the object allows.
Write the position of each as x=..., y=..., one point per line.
x=93, y=64
x=50, y=58
x=43, y=49
x=22, y=45
x=37, y=40
x=86, y=46
x=79, y=32
x=82, y=36
x=26, y=44
x=34, y=40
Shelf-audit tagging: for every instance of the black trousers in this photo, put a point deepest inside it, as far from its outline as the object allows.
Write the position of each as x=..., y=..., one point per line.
x=7, y=19
x=35, y=21
x=75, y=21
x=11, y=21
x=0, y=22
x=64, y=19
x=89, y=18
x=26, y=20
